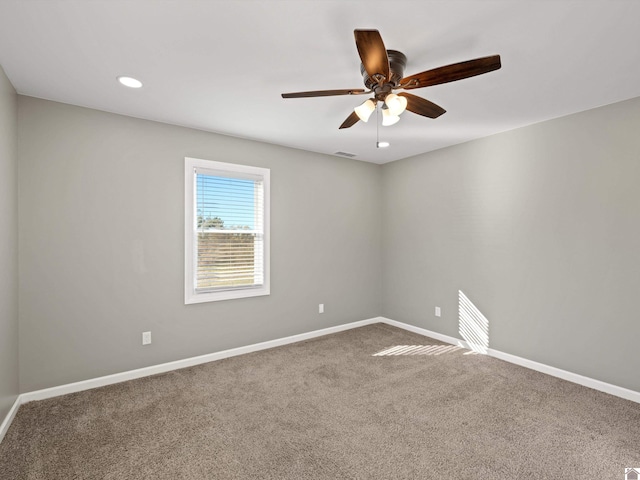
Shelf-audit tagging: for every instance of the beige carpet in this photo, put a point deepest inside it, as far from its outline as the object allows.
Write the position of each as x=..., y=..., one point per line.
x=328, y=409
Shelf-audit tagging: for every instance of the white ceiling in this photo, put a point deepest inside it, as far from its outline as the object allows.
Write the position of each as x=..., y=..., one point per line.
x=221, y=66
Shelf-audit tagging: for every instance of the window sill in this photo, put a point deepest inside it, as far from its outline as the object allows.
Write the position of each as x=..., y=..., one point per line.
x=192, y=297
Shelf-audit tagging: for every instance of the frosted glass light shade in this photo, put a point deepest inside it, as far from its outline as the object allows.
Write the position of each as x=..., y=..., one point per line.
x=365, y=110
x=388, y=118
x=395, y=103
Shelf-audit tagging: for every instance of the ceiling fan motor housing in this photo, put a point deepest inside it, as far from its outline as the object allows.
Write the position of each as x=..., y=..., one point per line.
x=397, y=64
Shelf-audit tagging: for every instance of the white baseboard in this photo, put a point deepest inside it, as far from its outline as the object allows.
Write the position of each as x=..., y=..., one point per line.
x=6, y=423
x=523, y=362
x=187, y=362
x=569, y=376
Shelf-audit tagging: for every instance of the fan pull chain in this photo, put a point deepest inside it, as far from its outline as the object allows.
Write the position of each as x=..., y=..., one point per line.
x=377, y=126
x=379, y=144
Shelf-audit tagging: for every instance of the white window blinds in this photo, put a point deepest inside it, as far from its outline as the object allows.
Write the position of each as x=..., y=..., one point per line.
x=229, y=231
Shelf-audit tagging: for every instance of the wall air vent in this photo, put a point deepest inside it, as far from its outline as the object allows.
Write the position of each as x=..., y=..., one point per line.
x=345, y=154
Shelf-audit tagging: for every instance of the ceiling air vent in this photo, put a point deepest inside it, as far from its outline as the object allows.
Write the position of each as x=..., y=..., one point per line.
x=345, y=154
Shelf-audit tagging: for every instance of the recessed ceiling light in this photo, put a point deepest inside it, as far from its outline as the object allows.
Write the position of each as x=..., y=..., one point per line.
x=382, y=144
x=130, y=82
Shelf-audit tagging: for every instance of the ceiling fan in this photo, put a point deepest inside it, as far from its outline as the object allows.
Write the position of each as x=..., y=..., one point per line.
x=382, y=71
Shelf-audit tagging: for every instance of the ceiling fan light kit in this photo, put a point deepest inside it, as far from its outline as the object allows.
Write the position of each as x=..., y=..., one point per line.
x=383, y=72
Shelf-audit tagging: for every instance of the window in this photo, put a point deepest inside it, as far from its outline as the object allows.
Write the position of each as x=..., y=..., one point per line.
x=226, y=231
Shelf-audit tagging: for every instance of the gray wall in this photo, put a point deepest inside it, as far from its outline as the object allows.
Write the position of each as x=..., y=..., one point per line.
x=539, y=227
x=101, y=259
x=8, y=245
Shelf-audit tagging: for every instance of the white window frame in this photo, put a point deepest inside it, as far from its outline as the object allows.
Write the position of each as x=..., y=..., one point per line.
x=190, y=230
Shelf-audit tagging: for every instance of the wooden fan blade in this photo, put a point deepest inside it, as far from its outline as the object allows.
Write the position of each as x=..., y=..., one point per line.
x=350, y=121
x=324, y=93
x=422, y=106
x=451, y=73
x=372, y=53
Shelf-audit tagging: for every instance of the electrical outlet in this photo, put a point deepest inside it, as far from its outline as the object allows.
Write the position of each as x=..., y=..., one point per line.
x=321, y=308
x=146, y=338
x=438, y=313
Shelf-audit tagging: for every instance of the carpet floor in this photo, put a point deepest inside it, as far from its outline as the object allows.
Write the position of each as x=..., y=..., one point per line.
x=330, y=408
